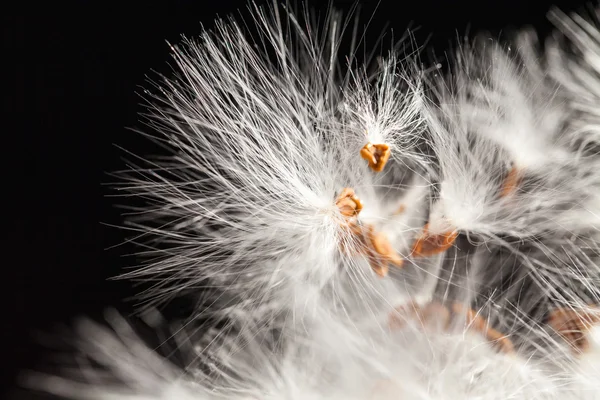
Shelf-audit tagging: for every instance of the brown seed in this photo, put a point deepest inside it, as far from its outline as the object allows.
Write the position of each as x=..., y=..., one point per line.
x=511, y=182
x=478, y=324
x=573, y=326
x=382, y=246
x=374, y=246
x=379, y=266
x=428, y=245
x=376, y=154
x=379, y=251
x=436, y=313
x=348, y=203
x=499, y=340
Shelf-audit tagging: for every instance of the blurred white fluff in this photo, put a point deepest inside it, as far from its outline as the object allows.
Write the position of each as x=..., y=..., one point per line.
x=511, y=174
x=497, y=117
x=575, y=63
x=405, y=364
x=242, y=218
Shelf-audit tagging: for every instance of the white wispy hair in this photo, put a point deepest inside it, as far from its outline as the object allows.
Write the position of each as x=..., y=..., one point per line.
x=511, y=176
x=499, y=114
x=387, y=111
x=265, y=132
x=415, y=362
x=574, y=61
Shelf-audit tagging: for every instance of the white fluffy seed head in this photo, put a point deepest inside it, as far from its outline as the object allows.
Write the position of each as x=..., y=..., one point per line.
x=574, y=61
x=499, y=132
x=263, y=139
x=264, y=134
x=508, y=99
x=382, y=112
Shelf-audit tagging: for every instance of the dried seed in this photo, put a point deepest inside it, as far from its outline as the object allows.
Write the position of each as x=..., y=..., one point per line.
x=376, y=154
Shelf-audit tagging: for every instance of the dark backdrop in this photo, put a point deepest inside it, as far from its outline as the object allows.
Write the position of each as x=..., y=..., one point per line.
x=69, y=93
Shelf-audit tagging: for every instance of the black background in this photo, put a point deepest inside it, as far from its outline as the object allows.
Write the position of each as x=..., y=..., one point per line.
x=69, y=89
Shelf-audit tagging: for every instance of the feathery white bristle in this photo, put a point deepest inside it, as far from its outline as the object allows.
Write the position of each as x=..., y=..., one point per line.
x=495, y=107
x=261, y=148
x=409, y=363
x=488, y=206
x=386, y=111
x=578, y=76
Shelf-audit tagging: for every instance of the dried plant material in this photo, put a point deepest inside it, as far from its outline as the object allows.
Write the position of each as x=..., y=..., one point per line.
x=499, y=341
x=435, y=314
x=379, y=251
x=479, y=324
x=401, y=209
x=348, y=203
x=428, y=245
x=383, y=248
x=511, y=182
x=374, y=245
x=573, y=326
x=378, y=264
x=376, y=154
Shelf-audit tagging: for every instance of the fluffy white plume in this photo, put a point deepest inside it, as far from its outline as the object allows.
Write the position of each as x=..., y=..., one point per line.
x=505, y=164
x=264, y=138
x=574, y=58
x=293, y=187
x=412, y=362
